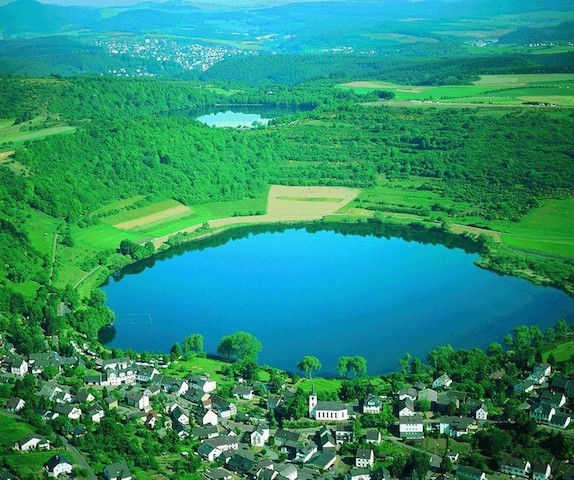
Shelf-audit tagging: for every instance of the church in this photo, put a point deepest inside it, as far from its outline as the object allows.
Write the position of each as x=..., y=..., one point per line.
x=327, y=411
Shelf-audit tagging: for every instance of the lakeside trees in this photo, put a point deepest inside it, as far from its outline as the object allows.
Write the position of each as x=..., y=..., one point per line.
x=240, y=346
x=308, y=365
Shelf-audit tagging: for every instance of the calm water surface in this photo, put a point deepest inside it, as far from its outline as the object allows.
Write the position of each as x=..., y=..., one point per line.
x=328, y=295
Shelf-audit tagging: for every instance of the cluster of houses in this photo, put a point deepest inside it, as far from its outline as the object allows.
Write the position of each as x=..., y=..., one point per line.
x=239, y=442
x=547, y=398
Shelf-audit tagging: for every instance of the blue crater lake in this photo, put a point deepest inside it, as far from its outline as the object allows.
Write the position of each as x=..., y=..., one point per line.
x=325, y=293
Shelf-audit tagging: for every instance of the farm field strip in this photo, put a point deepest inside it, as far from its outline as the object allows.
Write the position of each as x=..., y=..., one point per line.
x=511, y=90
x=36, y=134
x=127, y=215
x=153, y=218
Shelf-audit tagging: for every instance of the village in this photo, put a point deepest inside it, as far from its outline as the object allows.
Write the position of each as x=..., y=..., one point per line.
x=233, y=432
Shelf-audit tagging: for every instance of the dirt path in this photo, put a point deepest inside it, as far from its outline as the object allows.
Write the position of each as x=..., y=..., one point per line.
x=53, y=262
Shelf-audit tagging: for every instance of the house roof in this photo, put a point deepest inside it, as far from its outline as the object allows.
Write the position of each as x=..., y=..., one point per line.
x=117, y=470
x=364, y=454
x=330, y=406
x=323, y=459
x=540, y=468
x=56, y=460
x=514, y=462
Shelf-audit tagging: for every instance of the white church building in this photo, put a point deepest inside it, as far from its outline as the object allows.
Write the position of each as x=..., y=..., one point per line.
x=327, y=411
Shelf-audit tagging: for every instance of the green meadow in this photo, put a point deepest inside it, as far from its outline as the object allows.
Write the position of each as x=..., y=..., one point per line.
x=549, y=228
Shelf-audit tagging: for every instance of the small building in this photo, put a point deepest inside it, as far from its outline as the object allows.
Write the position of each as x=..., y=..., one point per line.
x=408, y=392
x=15, y=404
x=260, y=435
x=406, y=408
x=515, y=466
x=373, y=436
x=371, y=404
x=411, y=427
x=96, y=413
x=242, y=392
x=542, y=412
x=364, y=458
x=323, y=460
x=554, y=399
x=470, y=473
x=442, y=382
x=32, y=441
x=58, y=465
x=201, y=382
x=541, y=471
x=358, y=474
x=19, y=367
x=560, y=420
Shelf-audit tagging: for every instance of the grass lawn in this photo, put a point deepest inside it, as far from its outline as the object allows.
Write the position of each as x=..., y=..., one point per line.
x=438, y=446
x=561, y=352
x=325, y=387
x=13, y=430
x=31, y=464
x=119, y=205
x=198, y=366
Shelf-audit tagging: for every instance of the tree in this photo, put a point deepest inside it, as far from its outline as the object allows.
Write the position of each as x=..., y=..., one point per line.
x=175, y=351
x=193, y=344
x=343, y=366
x=308, y=365
x=356, y=365
x=240, y=346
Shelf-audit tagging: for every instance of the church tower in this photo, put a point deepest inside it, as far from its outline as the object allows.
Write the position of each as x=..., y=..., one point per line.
x=312, y=402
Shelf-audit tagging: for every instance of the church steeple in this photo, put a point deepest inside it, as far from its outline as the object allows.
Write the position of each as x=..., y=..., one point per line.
x=312, y=402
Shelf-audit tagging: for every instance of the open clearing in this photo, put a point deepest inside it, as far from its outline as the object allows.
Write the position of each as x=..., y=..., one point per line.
x=23, y=136
x=4, y=156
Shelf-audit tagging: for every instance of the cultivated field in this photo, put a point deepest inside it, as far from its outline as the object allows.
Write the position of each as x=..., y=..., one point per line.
x=284, y=200
x=527, y=90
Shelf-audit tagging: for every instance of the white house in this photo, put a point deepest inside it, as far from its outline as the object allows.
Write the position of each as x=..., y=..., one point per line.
x=58, y=465
x=73, y=413
x=515, y=466
x=442, y=382
x=96, y=413
x=411, y=427
x=560, y=420
x=406, y=408
x=542, y=412
x=364, y=458
x=541, y=471
x=481, y=413
x=19, y=367
x=242, y=392
x=15, y=404
x=373, y=436
x=32, y=441
x=408, y=392
x=260, y=435
x=470, y=473
x=371, y=404
x=327, y=411
x=139, y=400
x=145, y=374
x=203, y=383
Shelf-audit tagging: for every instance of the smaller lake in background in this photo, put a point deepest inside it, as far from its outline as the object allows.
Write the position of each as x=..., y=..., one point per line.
x=238, y=116
x=231, y=119
x=327, y=294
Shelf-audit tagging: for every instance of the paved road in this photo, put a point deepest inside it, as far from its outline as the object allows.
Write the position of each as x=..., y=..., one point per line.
x=80, y=458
